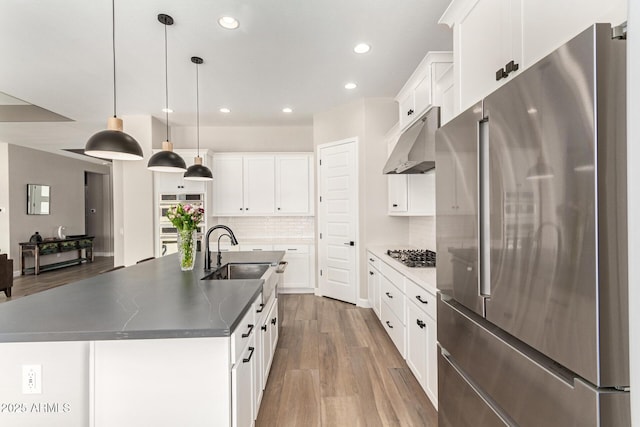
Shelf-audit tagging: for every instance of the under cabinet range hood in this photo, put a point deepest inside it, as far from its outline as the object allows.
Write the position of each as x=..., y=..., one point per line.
x=415, y=150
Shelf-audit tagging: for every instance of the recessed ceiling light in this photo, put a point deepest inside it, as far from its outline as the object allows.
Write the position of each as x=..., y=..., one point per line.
x=532, y=110
x=225, y=110
x=350, y=86
x=362, y=48
x=167, y=110
x=228, y=22
x=287, y=110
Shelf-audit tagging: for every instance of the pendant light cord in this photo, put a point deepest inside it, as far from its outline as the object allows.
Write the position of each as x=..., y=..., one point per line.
x=166, y=80
x=198, y=110
x=113, y=49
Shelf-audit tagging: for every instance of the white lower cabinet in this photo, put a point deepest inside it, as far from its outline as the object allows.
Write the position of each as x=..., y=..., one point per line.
x=422, y=349
x=242, y=378
x=407, y=312
x=298, y=276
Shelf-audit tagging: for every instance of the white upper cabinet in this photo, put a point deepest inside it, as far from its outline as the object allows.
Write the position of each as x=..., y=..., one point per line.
x=228, y=189
x=259, y=185
x=489, y=34
x=174, y=183
x=417, y=95
x=398, y=202
x=412, y=194
x=294, y=186
x=262, y=184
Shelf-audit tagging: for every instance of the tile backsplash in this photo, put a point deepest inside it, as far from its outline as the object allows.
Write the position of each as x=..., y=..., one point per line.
x=422, y=232
x=269, y=226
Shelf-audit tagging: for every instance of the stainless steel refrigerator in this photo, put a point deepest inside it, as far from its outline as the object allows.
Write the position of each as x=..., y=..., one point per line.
x=532, y=246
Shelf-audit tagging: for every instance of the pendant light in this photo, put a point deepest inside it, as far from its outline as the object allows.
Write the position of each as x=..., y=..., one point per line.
x=198, y=172
x=166, y=160
x=113, y=143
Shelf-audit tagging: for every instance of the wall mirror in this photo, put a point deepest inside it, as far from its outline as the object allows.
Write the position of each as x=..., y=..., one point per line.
x=38, y=199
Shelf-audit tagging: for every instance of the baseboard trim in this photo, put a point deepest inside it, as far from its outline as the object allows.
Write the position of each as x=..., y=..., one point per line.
x=103, y=253
x=364, y=303
x=296, y=291
x=17, y=273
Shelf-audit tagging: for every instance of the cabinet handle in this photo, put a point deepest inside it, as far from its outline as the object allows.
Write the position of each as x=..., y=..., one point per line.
x=246, y=209
x=395, y=205
x=371, y=273
x=290, y=249
x=372, y=260
x=241, y=209
x=389, y=325
x=278, y=208
x=501, y=74
x=260, y=309
x=421, y=323
x=419, y=298
x=410, y=112
x=273, y=321
x=511, y=66
x=251, y=349
x=388, y=294
x=248, y=332
x=264, y=328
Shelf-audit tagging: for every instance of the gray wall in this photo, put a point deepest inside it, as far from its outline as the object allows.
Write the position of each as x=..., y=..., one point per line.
x=65, y=175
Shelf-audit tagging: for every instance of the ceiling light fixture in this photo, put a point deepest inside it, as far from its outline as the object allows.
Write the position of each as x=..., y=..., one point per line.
x=225, y=110
x=113, y=143
x=166, y=160
x=197, y=171
x=362, y=48
x=287, y=110
x=350, y=86
x=228, y=22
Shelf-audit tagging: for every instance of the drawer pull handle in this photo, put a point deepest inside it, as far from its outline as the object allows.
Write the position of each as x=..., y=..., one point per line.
x=263, y=327
x=371, y=273
x=273, y=321
x=372, y=260
x=419, y=298
x=248, y=359
x=388, y=294
x=389, y=325
x=248, y=332
x=260, y=309
x=421, y=324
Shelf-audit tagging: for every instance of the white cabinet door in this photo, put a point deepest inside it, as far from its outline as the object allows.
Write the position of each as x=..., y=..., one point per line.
x=397, y=193
x=297, y=275
x=422, y=193
x=374, y=289
x=422, y=93
x=259, y=185
x=274, y=323
x=407, y=109
x=431, y=385
x=293, y=185
x=228, y=186
x=489, y=36
x=242, y=398
x=443, y=95
x=417, y=334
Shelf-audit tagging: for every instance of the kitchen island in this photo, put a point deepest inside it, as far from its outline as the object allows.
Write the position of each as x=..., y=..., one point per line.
x=144, y=345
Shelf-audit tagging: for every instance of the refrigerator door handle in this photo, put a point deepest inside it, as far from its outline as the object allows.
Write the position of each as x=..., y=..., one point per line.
x=484, y=236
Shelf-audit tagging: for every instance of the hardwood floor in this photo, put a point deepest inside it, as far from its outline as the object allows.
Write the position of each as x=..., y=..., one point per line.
x=336, y=366
x=30, y=284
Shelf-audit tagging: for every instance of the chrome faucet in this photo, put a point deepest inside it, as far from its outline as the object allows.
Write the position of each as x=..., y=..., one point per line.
x=207, y=256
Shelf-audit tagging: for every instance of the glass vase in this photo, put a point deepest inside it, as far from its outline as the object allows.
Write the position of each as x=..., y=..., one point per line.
x=187, y=249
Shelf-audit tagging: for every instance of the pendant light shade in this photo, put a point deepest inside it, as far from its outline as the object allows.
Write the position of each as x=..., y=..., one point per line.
x=166, y=160
x=198, y=172
x=113, y=143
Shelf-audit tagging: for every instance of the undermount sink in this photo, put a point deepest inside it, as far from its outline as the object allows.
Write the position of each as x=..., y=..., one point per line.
x=237, y=271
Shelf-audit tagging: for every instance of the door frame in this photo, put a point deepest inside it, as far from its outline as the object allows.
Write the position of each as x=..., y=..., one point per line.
x=321, y=256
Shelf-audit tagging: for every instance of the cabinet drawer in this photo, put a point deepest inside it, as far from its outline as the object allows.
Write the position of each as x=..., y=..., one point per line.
x=394, y=328
x=422, y=298
x=298, y=249
x=393, y=275
x=250, y=247
x=393, y=298
x=244, y=331
x=373, y=260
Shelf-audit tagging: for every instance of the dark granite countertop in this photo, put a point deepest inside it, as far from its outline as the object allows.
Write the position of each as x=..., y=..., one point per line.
x=154, y=299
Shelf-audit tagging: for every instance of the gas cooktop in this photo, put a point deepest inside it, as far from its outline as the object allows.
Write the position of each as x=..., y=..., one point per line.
x=414, y=257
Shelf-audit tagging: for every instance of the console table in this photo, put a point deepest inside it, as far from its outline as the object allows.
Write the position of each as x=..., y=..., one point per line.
x=53, y=246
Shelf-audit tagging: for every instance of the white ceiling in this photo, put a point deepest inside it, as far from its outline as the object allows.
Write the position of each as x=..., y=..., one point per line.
x=297, y=53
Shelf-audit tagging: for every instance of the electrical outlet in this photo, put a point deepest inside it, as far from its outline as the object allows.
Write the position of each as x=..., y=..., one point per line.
x=31, y=379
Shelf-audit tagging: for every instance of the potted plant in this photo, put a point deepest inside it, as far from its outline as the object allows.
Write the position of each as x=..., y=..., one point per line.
x=185, y=218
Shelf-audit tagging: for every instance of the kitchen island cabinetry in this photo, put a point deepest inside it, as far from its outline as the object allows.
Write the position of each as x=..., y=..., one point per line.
x=144, y=345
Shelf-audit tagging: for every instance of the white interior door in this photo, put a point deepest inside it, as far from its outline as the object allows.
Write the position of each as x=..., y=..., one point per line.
x=338, y=221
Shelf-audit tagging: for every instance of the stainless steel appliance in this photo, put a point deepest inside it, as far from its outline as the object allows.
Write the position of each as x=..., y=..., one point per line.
x=532, y=271
x=414, y=257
